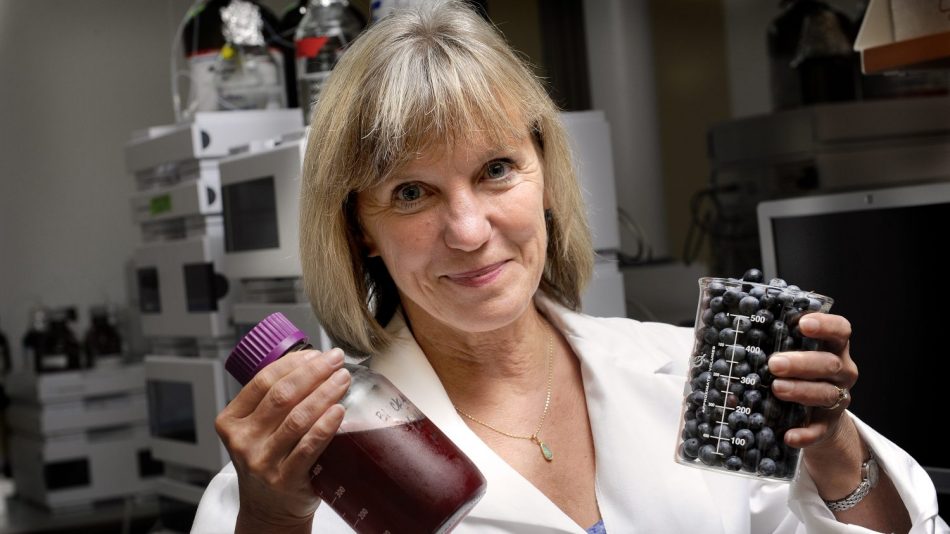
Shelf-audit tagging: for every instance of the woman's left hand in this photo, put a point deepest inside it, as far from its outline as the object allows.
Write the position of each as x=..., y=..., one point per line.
x=821, y=379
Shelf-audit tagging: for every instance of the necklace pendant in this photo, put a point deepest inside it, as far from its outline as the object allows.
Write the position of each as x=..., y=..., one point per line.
x=545, y=450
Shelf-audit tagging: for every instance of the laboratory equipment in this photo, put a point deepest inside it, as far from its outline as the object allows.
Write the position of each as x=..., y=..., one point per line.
x=881, y=257
x=731, y=421
x=814, y=150
x=389, y=468
x=217, y=33
x=79, y=436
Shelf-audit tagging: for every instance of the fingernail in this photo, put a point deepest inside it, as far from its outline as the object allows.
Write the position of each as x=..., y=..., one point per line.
x=335, y=357
x=778, y=363
x=808, y=323
x=781, y=386
x=341, y=376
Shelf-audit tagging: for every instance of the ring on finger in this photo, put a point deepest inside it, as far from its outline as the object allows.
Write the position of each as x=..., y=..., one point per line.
x=843, y=395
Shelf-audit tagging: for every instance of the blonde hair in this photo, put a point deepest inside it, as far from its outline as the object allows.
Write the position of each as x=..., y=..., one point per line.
x=428, y=77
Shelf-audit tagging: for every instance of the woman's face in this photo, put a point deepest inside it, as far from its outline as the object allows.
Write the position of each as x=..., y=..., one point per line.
x=462, y=233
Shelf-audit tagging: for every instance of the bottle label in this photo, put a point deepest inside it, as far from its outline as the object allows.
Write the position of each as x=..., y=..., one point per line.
x=55, y=361
x=250, y=80
x=310, y=46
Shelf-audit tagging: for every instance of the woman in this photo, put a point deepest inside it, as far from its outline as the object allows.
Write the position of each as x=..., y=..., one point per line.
x=438, y=187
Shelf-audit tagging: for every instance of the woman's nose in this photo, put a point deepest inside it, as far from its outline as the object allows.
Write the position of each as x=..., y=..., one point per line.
x=467, y=226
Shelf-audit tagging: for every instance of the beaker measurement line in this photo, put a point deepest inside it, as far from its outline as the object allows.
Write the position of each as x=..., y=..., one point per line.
x=724, y=407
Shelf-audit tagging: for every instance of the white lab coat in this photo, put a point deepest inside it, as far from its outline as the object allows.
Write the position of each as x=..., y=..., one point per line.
x=633, y=377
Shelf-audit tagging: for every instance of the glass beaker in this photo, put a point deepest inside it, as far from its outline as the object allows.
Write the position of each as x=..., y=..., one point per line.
x=731, y=421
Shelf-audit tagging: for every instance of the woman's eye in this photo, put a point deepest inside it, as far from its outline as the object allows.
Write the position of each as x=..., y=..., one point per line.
x=408, y=193
x=497, y=170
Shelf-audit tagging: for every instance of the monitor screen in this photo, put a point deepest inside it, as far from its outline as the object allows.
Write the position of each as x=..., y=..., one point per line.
x=171, y=410
x=877, y=254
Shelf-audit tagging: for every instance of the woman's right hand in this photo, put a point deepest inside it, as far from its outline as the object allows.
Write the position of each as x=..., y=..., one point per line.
x=275, y=429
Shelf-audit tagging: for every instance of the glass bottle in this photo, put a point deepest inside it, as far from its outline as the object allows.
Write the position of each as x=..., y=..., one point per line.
x=321, y=37
x=34, y=340
x=60, y=349
x=389, y=468
x=102, y=339
x=811, y=55
x=290, y=21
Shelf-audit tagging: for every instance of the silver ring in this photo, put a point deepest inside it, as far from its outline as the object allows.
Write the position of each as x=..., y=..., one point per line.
x=843, y=395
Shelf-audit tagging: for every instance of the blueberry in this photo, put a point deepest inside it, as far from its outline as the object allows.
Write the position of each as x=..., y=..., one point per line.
x=733, y=463
x=703, y=430
x=814, y=305
x=801, y=302
x=753, y=275
x=696, y=398
x=736, y=353
x=738, y=420
x=707, y=453
x=703, y=415
x=722, y=383
x=721, y=320
x=792, y=288
x=766, y=467
x=752, y=380
x=768, y=301
x=708, y=317
x=690, y=415
x=778, y=282
x=765, y=375
x=772, y=409
x=748, y=305
x=731, y=297
x=716, y=289
x=710, y=335
x=745, y=439
x=752, y=399
x=721, y=366
x=756, y=422
x=725, y=449
x=750, y=460
x=727, y=335
x=765, y=438
x=786, y=299
x=691, y=448
x=788, y=344
x=722, y=431
x=700, y=381
x=756, y=291
x=742, y=369
x=755, y=336
x=737, y=389
x=766, y=315
x=689, y=429
x=716, y=305
x=757, y=358
x=714, y=396
x=775, y=452
x=741, y=323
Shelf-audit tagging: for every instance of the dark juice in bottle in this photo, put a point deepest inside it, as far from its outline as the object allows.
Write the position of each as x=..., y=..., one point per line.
x=404, y=478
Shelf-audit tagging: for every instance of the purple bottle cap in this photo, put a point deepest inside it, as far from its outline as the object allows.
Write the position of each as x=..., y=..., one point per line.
x=266, y=342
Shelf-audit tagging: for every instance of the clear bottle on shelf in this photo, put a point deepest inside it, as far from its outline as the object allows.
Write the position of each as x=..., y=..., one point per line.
x=321, y=37
x=389, y=468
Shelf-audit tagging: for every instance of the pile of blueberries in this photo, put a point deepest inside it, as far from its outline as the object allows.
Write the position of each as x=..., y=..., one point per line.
x=731, y=419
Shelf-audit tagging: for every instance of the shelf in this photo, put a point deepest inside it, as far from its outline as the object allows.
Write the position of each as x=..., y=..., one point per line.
x=881, y=50
x=928, y=52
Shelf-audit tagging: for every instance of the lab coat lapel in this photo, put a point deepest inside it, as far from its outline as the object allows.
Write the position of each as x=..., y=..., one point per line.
x=633, y=404
x=511, y=503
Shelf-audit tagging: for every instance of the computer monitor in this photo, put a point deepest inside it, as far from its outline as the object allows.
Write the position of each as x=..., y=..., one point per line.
x=878, y=254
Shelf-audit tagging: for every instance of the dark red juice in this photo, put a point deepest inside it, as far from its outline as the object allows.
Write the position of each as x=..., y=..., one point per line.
x=406, y=478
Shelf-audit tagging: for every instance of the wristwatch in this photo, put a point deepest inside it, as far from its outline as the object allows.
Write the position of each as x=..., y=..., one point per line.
x=869, y=475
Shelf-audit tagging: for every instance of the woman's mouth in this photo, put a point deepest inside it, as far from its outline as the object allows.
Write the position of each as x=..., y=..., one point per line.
x=478, y=277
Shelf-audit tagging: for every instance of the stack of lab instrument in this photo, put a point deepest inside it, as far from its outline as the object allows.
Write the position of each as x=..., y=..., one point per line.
x=182, y=296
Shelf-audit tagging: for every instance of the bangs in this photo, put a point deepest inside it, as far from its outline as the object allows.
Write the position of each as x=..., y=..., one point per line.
x=439, y=94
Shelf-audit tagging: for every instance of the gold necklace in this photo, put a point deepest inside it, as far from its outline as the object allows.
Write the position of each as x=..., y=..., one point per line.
x=545, y=450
